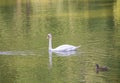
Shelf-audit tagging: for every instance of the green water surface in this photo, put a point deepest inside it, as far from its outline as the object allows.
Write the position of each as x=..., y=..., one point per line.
x=92, y=24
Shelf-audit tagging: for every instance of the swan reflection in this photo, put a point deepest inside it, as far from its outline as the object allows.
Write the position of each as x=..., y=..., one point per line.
x=66, y=53
x=69, y=53
x=50, y=59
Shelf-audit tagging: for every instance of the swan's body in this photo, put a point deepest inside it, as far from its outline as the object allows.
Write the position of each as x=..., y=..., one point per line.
x=65, y=47
x=62, y=48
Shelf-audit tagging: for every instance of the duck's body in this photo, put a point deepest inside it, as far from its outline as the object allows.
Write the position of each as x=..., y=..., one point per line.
x=98, y=68
x=104, y=68
x=61, y=48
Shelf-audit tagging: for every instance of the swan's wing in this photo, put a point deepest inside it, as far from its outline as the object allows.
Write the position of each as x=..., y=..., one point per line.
x=65, y=48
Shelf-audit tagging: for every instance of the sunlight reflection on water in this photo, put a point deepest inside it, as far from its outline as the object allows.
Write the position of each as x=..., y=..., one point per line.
x=17, y=53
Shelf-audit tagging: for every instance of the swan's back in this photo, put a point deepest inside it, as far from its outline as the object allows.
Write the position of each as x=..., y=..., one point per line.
x=66, y=47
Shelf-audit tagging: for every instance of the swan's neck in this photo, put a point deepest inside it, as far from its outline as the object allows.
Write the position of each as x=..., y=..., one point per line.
x=50, y=43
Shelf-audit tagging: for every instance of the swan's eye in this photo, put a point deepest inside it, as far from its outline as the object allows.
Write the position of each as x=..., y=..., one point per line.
x=48, y=36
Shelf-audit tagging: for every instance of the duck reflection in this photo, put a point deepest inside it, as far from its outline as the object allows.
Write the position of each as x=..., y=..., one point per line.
x=62, y=53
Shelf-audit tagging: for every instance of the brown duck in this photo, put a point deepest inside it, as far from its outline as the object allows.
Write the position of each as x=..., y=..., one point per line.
x=98, y=68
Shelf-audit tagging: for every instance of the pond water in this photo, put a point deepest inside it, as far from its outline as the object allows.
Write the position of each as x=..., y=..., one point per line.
x=24, y=56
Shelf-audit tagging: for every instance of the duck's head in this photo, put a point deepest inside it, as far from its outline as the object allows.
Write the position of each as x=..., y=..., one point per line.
x=49, y=36
x=97, y=66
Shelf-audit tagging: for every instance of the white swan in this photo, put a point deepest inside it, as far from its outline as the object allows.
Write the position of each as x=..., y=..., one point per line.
x=62, y=48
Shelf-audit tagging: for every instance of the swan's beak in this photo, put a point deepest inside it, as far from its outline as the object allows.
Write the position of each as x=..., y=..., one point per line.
x=48, y=37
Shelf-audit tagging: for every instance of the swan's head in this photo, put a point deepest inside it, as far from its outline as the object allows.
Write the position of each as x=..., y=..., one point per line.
x=49, y=36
